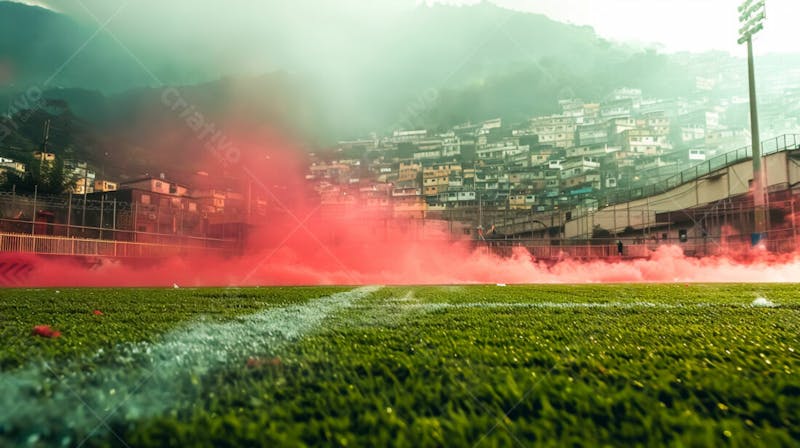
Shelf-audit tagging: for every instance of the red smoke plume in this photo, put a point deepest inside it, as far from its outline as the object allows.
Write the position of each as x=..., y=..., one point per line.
x=300, y=243
x=302, y=263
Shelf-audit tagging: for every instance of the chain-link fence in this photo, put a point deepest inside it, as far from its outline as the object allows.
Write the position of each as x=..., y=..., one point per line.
x=96, y=217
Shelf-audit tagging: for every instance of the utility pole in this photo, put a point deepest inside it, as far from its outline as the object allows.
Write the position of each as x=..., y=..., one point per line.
x=114, y=220
x=85, y=193
x=101, y=216
x=69, y=213
x=45, y=139
x=249, y=200
x=480, y=210
x=752, y=14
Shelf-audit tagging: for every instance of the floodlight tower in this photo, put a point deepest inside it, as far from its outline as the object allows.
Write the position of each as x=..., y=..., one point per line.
x=752, y=14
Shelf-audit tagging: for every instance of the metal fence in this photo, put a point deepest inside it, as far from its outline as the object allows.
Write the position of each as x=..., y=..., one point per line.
x=59, y=245
x=632, y=248
x=110, y=219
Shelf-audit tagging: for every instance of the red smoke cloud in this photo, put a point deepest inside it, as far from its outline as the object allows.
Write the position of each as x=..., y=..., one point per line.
x=300, y=243
x=412, y=263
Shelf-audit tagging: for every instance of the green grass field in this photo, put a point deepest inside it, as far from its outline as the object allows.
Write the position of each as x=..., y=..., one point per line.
x=407, y=366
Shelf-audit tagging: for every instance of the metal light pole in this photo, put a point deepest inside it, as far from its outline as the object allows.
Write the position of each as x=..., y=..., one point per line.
x=85, y=192
x=752, y=14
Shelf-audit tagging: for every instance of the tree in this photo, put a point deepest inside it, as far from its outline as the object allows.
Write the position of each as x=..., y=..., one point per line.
x=57, y=180
x=44, y=177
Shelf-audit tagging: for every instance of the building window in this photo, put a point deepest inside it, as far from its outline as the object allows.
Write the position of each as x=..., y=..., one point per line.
x=146, y=199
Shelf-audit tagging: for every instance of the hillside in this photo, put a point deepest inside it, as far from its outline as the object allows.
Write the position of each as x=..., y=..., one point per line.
x=438, y=66
x=36, y=43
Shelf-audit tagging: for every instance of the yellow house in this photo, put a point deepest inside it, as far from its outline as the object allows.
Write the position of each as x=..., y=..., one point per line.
x=104, y=185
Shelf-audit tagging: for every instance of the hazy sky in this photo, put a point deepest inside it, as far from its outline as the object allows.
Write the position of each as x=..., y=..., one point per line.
x=677, y=25
x=693, y=25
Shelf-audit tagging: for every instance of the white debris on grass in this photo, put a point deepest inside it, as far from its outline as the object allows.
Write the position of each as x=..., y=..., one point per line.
x=150, y=379
x=407, y=298
x=763, y=302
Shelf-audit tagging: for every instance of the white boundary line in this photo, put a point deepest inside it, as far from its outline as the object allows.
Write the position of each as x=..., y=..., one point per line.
x=149, y=379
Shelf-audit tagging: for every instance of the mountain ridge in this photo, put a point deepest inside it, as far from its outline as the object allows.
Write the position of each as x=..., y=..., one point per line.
x=440, y=66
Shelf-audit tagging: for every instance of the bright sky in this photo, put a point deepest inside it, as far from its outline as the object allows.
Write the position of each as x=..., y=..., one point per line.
x=693, y=25
x=677, y=25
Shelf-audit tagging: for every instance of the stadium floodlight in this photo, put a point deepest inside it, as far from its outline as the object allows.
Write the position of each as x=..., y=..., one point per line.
x=749, y=9
x=752, y=14
x=745, y=5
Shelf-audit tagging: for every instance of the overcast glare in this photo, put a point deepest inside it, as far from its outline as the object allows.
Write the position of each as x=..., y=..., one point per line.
x=363, y=64
x=674, y=25
x=678, y=25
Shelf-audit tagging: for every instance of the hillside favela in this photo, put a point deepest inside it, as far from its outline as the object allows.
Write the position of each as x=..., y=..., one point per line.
x=399, y=223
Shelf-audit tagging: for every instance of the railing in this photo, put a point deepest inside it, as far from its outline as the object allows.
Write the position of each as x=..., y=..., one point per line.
x=638, y=247
x=772, y=146
x=56, y=245
x=43, y=228
x=589, y=251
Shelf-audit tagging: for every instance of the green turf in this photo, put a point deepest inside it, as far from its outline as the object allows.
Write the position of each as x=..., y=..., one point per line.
x=129, y=315
x=453, y=366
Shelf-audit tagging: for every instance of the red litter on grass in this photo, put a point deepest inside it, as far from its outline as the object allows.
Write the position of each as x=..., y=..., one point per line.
x=97, y=313
x=259, y=362
x=45, y=331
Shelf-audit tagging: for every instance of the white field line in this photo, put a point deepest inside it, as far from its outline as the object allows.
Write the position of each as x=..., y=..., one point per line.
x=433, y=306
x=148, y=379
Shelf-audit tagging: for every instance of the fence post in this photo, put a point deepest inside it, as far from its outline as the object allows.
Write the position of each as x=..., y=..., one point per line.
x=794, y=225
x=69, y=213
x=33, y=215
x=101, y=215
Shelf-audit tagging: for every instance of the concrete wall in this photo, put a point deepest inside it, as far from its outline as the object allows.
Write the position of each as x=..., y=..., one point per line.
x=781, y=171
x=793, y=167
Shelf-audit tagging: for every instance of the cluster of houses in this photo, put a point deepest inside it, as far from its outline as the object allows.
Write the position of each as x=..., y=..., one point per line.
x=573, y=159
x=148, y=208
x=550, y=166
x=84, y=178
